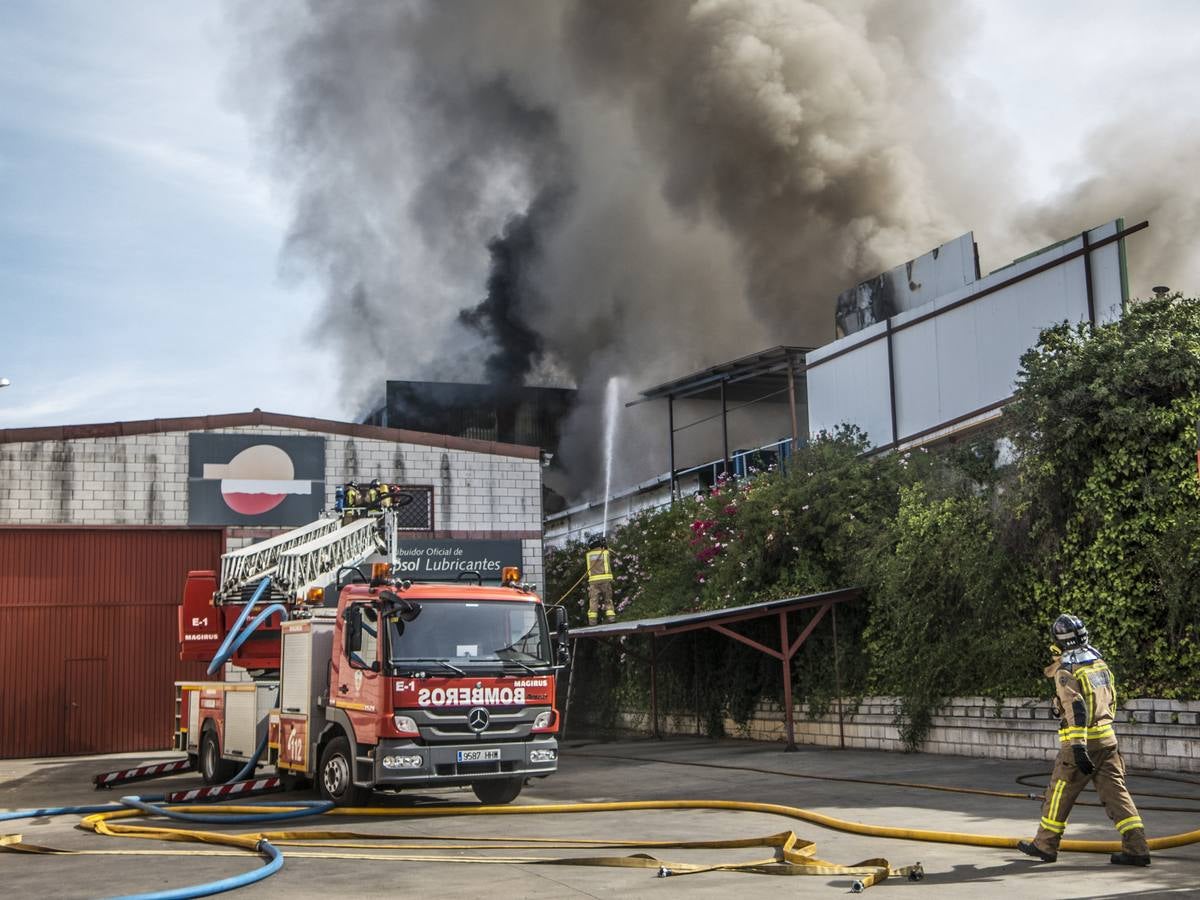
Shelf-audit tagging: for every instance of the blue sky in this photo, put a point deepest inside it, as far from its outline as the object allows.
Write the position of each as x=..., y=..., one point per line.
x=140, y=234
x=138, y=237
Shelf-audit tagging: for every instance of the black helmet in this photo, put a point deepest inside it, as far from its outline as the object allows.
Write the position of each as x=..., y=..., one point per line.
x=597, y=540
x=1069, y=632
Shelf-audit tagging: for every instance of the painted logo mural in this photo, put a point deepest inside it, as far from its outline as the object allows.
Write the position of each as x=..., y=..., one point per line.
x=242, y=479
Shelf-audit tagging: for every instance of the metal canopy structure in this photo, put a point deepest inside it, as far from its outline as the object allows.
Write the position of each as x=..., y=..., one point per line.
x=719, y=620
x=751, y=379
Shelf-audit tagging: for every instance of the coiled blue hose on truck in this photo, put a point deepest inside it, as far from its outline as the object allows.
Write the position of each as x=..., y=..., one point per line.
x=235, y=639
x=228, y=647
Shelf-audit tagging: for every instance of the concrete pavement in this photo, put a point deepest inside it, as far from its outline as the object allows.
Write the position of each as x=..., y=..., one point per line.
x=640, y=770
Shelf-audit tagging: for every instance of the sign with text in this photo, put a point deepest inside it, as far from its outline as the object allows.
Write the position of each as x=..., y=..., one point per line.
x=459, y=692
x=444, y=560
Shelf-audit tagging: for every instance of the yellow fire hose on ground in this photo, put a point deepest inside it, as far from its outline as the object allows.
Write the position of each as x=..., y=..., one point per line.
x=949, y=789
x=791, y=854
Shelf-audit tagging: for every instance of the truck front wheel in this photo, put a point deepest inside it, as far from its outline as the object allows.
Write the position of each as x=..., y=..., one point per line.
x=214, y=769
x=335, y=780
x=500, y=791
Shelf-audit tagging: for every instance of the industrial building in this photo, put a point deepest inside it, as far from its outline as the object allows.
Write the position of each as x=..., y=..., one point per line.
x=927, y=351
x=509, y=413
x=99, y=525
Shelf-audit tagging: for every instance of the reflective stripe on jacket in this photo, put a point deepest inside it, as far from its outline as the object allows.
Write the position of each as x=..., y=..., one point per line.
x=599, y=565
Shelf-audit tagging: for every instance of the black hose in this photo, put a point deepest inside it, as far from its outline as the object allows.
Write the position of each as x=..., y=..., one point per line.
x=1011, y=795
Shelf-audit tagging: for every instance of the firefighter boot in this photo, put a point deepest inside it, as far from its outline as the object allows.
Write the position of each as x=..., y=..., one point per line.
x=592, y=616
x=610, y=615
x=1029, y=848
x=1129, y=859
x=1134, y=849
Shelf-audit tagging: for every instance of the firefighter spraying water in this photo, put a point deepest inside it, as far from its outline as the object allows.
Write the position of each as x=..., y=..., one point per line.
x=600, y=580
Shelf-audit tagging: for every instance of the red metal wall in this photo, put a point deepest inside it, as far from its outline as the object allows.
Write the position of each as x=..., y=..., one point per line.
x=88, y=645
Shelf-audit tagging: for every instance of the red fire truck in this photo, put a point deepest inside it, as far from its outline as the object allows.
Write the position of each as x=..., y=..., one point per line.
x=389, y=685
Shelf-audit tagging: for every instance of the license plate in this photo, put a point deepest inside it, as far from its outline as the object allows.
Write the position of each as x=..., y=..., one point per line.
x=478, y=755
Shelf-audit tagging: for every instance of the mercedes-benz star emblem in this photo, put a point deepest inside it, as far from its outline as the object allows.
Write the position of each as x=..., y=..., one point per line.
x=477, y=719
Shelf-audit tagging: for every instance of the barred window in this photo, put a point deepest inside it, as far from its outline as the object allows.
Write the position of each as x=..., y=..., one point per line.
x=414, y=507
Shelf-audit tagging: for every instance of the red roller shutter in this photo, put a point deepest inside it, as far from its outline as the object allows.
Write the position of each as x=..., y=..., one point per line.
x=88, y=652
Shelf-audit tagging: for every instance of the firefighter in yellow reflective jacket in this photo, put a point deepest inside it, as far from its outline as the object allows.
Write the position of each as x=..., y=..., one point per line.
x=600, y=580
x=1086, y=699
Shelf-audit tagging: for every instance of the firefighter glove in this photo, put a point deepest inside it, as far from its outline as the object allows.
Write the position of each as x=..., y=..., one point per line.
x=1082, y=761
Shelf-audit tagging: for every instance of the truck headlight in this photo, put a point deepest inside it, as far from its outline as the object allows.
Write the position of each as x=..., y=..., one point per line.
x=406, y=725
x=543, y=719
x=402, y=762
x=542, y=756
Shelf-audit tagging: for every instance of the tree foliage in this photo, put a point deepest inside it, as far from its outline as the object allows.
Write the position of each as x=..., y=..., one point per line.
x=1104, y=424
x=947, y=617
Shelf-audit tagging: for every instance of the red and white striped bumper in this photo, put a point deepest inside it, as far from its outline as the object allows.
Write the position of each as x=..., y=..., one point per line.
x=224, y=791
x=139, y=773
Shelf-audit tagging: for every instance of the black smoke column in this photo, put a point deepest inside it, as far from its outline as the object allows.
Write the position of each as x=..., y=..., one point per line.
x=510, y=292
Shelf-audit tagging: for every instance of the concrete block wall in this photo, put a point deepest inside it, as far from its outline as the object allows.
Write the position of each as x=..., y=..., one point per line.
x=143, y=480
x=131, y=480
x=1154, y=734
x=471, y=491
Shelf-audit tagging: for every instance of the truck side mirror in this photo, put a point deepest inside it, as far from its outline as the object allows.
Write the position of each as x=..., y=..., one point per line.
x=407, y=610
x=562, y=638
x=352, y=633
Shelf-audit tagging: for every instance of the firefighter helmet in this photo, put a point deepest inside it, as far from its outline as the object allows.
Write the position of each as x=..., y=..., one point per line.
x=1069, y=632
x=596, y=541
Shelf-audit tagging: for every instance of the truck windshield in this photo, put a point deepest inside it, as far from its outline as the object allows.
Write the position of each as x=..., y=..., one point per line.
x=468, y=635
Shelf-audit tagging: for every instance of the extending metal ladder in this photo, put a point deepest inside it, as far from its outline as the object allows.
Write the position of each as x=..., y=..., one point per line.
x=240, y=568
x=305, y=557
x=315, y=563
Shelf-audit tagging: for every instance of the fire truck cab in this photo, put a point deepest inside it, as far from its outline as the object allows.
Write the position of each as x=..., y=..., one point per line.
x=432, y=684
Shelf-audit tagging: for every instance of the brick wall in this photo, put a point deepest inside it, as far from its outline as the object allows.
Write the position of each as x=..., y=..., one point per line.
x=1153, y=734
x=142, y=480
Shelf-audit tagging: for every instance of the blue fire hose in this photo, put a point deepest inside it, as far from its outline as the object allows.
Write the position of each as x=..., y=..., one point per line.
x=147, y=804
x=309, y=808
x=274, y=864
x=248, y=769
x=274, y=856
x=65, y=810
x=237, y=636
x=241, y=638
x=226, y=649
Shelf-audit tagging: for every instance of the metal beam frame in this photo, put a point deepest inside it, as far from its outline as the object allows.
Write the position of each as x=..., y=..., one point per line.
x=787, y=649
x=764, y=363
x=778, y=362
